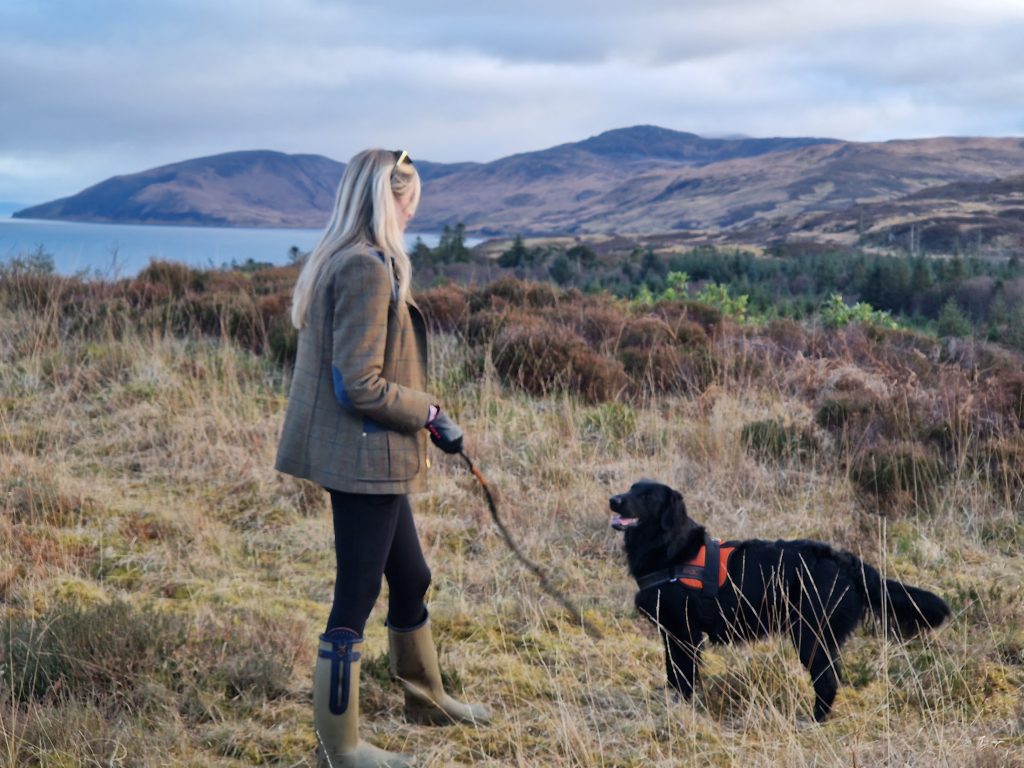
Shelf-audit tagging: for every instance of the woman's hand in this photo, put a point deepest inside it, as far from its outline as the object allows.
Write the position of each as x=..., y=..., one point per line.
x=444, y=432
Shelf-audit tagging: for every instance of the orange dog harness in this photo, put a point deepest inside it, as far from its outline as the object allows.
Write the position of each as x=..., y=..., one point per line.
x=706, y=572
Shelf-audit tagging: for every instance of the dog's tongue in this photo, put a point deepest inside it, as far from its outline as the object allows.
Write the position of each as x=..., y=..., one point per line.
x=620, y=523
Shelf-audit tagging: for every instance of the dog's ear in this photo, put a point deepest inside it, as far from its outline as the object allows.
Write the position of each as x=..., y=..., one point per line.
x=673, y=512
x=676, y=522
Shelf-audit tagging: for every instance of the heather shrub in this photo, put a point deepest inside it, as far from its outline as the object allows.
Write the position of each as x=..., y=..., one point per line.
x=282, y=341
x=105, y=317
x=898, y=474
x=541, y=358
x=646, y=332
x=1001, y=462
x=175, y=277
x=775, y=440
x=445, y=308
x=595, y=377
x=126, y=658
x=273, y=280
x=788, y=335
x=483, y=326
x=690, y=335
x=1004, y=399
x=510, y=292
x=226, y=281
x=100, y=653
x=657, y=368
x=533, y=353
x=242, y=655
x=845, y=410
x=698, y=369
x=661, y=358
x=708, y=317
x=237, y=318
x=598, y=322
x=849, y=399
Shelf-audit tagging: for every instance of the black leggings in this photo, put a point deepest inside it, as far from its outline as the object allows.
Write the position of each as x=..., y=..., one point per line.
x=375, y=535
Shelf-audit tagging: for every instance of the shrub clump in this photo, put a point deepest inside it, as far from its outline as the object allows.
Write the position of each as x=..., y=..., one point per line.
x=542, y=358
x=788, y=335
x=445, y=308
x=772, y=439
x=511, y=293
x=175, y=277
x=849, y=404
x=666, y=353
x=1005, y=400
x=129, y=659
x=896, y=474
x=1001, y=463
x=99, y=653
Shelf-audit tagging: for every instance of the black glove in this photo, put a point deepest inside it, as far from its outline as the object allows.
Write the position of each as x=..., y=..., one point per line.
x=445, y=433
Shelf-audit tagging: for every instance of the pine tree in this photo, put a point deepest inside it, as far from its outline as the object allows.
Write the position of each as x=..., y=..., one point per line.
x=951, y=320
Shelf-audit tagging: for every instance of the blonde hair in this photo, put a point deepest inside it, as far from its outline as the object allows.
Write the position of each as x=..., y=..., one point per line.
x=365, y=215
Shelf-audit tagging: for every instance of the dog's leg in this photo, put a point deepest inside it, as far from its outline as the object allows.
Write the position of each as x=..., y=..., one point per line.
x=679, y=638
x=682, y=662
x=819, y=655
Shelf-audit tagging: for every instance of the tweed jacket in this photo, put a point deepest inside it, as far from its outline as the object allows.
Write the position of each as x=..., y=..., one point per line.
x=358, y=400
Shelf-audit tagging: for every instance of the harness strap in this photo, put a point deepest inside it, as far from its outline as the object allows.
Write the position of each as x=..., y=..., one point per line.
x=341, y=652
x=671, y=574
x=711, y=565
x=707, y=575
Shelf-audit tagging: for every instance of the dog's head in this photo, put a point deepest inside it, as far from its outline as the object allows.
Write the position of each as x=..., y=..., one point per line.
x=658, y=530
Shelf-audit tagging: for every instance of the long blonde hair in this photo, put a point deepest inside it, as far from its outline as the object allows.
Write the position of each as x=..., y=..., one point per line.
x=365, y=215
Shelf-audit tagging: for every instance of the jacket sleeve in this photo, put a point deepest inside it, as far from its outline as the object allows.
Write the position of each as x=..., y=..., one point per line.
x=362, y=295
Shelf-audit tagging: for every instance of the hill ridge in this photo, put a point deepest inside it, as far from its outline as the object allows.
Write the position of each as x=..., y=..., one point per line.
x=637, y=179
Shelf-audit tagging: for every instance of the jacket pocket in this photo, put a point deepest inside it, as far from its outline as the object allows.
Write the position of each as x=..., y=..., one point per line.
x=404, y=454
x=383, y=455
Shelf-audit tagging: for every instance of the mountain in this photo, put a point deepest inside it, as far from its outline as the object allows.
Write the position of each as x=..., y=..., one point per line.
x=568, y=188
x=243, y=189
x=643, y=179
x=945, y=218
x=263, y=188
x=583, y=193
x=255, y=188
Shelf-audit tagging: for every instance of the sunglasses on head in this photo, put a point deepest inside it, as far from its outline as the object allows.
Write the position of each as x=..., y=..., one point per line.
x=401, y=156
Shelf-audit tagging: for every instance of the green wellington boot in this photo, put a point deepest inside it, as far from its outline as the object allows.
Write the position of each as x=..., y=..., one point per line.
x=336, y=708
x=414, y=664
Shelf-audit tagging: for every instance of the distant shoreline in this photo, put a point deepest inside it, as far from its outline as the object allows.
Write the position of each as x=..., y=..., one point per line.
x=125, y=249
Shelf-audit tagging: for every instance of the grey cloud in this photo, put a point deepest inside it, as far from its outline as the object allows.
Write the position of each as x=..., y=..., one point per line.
x=135, y=84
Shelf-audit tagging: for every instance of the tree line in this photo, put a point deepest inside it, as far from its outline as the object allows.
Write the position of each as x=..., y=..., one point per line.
x=960, y=295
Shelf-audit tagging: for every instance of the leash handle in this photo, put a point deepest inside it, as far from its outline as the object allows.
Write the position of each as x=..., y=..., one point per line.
x=545, y=583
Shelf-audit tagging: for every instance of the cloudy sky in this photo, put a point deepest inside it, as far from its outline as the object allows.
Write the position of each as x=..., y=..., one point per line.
x=95, y=88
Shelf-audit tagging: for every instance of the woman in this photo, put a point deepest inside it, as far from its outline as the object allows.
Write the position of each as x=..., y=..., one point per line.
x=357, y=420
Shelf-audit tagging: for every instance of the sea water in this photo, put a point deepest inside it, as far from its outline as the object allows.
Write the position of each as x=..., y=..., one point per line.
x=122, y=250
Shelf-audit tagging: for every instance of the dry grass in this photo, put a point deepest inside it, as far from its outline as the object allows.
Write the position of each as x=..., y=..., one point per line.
x=162, y=588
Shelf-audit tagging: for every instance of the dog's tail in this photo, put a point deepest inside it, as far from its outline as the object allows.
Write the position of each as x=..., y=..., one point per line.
x=910, y=610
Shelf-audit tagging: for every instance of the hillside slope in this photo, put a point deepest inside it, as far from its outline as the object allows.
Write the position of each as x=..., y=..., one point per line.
x=639, y=180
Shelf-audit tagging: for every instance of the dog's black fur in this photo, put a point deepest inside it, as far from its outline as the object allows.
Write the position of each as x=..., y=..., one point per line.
x=806, y=590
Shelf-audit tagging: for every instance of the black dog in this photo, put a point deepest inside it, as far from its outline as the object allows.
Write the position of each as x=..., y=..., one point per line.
x=691, y=585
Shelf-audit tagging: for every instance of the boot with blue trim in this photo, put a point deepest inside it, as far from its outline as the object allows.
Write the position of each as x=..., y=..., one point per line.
x=336, y=707
x=414, y=664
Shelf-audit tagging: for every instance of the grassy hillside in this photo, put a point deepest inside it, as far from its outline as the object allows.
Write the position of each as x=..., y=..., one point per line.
x=162, y=588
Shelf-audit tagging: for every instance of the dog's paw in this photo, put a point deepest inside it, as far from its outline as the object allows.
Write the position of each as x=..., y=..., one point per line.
x=674, y=696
